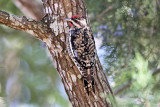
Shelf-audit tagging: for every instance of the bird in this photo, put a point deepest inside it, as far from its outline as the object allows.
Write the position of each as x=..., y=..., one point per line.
x=81, y=48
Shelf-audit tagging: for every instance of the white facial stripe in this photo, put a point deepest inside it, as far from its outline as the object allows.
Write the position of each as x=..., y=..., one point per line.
x=83, y=22
x=75, y=24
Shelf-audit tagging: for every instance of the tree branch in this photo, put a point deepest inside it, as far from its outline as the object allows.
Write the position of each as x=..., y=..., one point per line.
x=31, y=8
x=155, y=72
x=68, y=71
x=13, y=21
x=105, y=11
x=123, y=86
x=129, y=83
x=28, y=25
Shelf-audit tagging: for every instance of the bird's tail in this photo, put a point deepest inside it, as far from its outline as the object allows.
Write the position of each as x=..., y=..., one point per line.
x=89, y=84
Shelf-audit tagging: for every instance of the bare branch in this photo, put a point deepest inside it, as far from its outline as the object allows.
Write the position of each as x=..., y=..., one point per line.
x=123, y=86
x=129, y=83
x=13, y=21
x=105, y=11
x=156, y=71
x=28, y=25
x=31, y=8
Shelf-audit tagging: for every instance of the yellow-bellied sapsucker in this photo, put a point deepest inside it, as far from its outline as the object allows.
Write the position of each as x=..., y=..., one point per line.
x=81, y=48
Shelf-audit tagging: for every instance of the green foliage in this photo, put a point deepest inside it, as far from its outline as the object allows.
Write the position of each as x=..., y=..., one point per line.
x=130, y=31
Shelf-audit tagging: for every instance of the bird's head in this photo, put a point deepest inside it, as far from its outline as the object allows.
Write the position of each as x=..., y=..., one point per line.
x=76, y=21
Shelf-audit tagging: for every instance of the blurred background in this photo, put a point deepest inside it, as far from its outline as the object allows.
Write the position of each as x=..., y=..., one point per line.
x=127, y=37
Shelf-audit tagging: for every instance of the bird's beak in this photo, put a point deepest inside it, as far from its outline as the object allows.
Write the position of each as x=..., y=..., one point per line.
x=67, y=19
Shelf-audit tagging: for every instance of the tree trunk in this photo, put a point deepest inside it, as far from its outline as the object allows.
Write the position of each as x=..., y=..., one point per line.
x=52, y=30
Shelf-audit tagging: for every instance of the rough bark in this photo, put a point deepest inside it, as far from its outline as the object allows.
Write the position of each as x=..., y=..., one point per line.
x=52, y=30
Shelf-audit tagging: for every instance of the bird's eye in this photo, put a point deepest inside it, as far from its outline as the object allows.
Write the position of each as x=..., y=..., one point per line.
x=77, y=18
